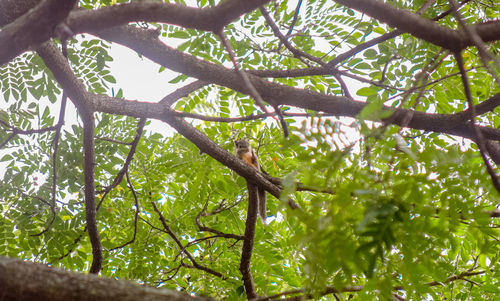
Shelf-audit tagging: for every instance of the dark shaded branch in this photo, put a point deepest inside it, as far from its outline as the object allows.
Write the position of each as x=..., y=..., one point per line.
x=32, y=28
x=333, y=290
x=295, y=18
x=250, y=88
x=133, y=146
x=247, y=249
x=454, y=124
x=471, y=33
x=17, y=131
x=61, y=70
x=296, y=52
x=167, y=230
x=113, y=140
x=136, y=216
x=217, y=232
x=215, y=151
x=55, y=149
x=171, y=98
x=26, y=281
x=207, y=19
x=419, y=27
x=220, y=119
x=479, y=138
x=90, y=204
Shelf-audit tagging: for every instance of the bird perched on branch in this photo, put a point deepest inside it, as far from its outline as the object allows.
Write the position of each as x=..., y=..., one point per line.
x=245, y=152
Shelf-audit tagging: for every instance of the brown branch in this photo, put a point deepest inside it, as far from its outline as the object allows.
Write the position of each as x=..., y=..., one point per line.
x=327, y=291
x=329, y=68
x=358, y=48
x=57, y=135
x=471, y=33
x=272, y=92
x=275, y=93
x=171, y=58
x=7, y=140
x=294, y=20
x=171, y=98
x=250, y=87
x=181, y=247
x=119, y=176
x=332, y=290
x=296, y=52
x=343, y=86
x=253, y=92
x=247, y=249
x=75, y=242
x=206, y=19
x=479, y=138
x=419, y=27
x=17, y=131
x=217, y=232
x=220, y=119
x=25, y=281
x=32, y=28
x=61, y=70
x=136, y=217
x=78, y=94
x=113, y=140
x=90, y=205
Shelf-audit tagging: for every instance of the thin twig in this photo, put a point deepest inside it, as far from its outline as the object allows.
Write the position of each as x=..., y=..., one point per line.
x=479, y=138
x=119, y=177
x=58, y=126
x=217, y=232
x=169, y=231
x=136, y=217
x=171, y=98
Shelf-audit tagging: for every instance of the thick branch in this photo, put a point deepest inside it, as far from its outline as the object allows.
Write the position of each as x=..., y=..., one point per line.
x=90, y=204
x=274, y=93
x=59, y=66
x=453, y=40
x=247, y=249
x=26, y=281
x=207, y=19
x=32, y=28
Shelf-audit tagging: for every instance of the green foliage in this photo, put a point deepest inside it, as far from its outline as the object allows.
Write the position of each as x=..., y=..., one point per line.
x=374, y=216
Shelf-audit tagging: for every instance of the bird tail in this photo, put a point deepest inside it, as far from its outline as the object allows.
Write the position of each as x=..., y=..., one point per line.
x=262, y=205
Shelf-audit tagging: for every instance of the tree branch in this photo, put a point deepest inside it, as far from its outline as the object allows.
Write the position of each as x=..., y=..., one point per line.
x=206, y=19
x=32, y=28
x=453, y=40
x=25, y=281
x=90, y=204
x=247, y=249
x=181, y=247
x=273, y=93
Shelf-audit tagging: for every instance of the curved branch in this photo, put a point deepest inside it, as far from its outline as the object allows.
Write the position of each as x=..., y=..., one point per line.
x=206, y=19
x=32, y=28
x=25, y=281
x=90, y=205
x=453, y=40
x=273, y=93
x=167, y=229
x=247, y=249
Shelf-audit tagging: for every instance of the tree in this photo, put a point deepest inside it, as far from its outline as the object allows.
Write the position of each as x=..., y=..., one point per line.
x=376, y=122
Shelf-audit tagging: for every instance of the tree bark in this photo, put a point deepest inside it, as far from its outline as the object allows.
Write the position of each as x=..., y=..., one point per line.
x=23, y=280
